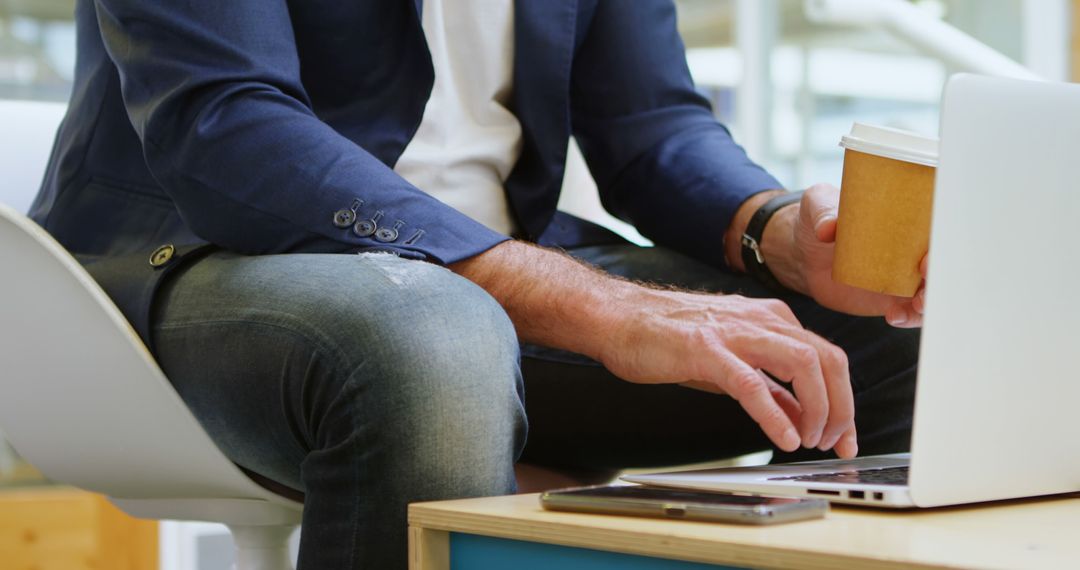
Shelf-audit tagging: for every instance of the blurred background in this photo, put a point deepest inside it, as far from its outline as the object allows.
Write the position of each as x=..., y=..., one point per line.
x=787, y=84
x=788, y=87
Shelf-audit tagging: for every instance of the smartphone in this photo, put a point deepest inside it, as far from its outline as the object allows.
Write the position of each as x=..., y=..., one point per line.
x=645, y=501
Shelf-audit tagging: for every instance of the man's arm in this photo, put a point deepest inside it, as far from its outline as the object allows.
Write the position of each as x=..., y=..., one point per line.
x=214, y=92
x=660, y=159
x=714, y=342
x=663, y=163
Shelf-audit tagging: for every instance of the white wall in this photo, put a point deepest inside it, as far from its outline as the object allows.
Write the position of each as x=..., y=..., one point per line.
x=27, y=130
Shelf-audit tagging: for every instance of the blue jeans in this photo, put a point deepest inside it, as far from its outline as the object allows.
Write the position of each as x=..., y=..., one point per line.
x=368, y=382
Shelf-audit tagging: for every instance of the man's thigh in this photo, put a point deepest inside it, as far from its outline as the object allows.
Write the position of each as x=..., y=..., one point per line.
x=582, y=416
x=281, y=356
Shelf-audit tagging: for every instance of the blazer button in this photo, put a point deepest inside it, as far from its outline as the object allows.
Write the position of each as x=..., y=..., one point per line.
x=344, y=218
x=162, y=255
x=364, y=228
x=387, y=235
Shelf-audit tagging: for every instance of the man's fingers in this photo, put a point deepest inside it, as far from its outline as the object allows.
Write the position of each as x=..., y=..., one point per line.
x=772, y=340
x=834, y=366
x=848, y=445
x=818, y=210
x=919, y=301
x=794, y=361
x=924, y=265
x=826, y=230
x=897, y=315
x=785, y=399
x=902, y=315
x=748, y=387
x=782, y=310
x=826, y=397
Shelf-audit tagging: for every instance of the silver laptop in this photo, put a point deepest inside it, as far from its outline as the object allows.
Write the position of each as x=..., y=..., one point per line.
x=997, y=405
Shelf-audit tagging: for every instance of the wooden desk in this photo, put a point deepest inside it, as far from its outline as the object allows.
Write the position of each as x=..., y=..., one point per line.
x=473, y=533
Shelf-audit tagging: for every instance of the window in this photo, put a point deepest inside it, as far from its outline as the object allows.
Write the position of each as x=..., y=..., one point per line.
x=37, y=49
x=805, y=82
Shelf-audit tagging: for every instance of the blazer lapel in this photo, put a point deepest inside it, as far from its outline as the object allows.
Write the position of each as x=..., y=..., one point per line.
x=543, y=51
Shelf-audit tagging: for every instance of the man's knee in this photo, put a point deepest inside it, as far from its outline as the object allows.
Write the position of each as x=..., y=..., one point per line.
x=376, y=355
x=432, y=375
x=442, y=336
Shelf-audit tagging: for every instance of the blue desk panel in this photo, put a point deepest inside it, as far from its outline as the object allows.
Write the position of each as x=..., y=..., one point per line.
x=475, y=552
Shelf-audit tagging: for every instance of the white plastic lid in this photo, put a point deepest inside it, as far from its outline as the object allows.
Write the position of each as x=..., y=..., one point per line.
x=892, y=143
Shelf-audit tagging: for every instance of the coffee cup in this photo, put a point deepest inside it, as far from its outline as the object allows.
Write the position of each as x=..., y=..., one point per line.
x=883, y=224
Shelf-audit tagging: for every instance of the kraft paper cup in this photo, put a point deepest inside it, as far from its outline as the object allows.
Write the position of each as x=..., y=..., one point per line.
x=883, y=226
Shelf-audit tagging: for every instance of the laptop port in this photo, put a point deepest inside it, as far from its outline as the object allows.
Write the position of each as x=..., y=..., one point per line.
x=823, y=492
x=879, y=496
x=856, y=494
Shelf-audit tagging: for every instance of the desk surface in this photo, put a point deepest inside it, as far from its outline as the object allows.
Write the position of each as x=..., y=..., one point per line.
x=1034, y=533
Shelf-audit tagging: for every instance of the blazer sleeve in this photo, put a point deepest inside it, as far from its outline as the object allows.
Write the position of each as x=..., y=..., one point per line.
x=213, y=90
x=660, y=159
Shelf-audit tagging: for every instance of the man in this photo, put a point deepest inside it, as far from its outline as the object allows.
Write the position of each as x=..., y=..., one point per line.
x=293, y=135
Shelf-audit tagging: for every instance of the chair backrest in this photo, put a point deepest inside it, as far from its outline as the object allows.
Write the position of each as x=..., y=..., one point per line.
x=26, y=138
x=80, y=396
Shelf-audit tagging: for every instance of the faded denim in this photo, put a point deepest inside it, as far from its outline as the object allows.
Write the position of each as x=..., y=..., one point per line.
x=365, y=381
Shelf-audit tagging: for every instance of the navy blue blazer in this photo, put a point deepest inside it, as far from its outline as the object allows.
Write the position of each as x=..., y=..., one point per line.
x=248, y=123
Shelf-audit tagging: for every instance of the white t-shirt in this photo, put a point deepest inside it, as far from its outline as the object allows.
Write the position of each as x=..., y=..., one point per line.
x=468, y=141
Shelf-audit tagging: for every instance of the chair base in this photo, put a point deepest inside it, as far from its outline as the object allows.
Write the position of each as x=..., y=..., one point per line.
x=239, y=512
x=262, y=547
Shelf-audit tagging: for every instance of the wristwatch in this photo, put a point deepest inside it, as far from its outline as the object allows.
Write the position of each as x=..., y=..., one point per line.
x=751, y=240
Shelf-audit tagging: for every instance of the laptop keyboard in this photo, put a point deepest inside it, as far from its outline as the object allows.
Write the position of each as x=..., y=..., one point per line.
x=883, y=476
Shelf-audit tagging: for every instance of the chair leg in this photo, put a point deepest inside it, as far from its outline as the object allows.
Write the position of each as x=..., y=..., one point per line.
x=262, y=547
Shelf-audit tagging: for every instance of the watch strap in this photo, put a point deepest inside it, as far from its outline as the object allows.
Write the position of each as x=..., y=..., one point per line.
x=752, y=256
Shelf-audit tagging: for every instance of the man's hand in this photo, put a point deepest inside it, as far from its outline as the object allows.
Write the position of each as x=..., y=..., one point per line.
x=720, y=343
x=808, y=233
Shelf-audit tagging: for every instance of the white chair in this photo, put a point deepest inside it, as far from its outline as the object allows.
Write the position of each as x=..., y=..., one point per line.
x=82, y=399
x=84, y=402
